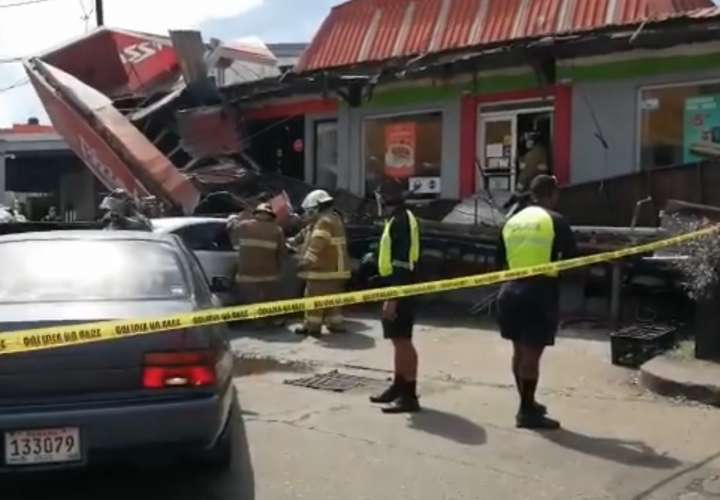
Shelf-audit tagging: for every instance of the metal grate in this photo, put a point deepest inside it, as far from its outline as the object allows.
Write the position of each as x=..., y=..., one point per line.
x=335, y=381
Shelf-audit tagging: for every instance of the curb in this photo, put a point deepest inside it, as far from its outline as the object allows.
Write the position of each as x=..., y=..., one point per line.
x=675, y=379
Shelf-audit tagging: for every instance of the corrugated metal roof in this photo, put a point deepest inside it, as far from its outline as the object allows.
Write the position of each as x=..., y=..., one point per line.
x=361, y=31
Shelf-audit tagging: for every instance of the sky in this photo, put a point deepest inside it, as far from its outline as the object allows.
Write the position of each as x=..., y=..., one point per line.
x=35, y=27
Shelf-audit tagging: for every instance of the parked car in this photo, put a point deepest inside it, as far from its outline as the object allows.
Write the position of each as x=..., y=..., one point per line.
x=165, y=393
x=208, y=238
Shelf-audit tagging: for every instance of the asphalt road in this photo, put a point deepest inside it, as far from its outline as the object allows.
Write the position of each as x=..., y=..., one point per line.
x=134, y=482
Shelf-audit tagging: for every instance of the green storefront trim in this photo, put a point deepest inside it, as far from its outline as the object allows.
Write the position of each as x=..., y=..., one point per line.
x=408, y=96
x=641, y=67
x=413, y=95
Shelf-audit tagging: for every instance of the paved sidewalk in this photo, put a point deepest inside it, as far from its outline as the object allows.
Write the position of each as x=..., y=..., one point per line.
x=619, y=441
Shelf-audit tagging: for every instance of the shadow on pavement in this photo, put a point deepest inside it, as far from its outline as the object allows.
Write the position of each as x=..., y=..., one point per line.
x=181, y=482
x=635, y=453
x=448, y=426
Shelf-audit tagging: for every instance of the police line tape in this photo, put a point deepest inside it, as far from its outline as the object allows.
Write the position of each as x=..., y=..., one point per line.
x=73, y=335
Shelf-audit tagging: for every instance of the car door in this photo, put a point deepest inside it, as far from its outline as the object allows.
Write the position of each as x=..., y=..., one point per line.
x=210, y=242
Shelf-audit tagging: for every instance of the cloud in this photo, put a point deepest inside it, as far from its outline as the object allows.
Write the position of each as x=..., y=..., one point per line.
x=35, y=28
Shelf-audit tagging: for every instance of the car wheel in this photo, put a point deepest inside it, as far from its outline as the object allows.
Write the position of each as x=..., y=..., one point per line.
x=220, y=455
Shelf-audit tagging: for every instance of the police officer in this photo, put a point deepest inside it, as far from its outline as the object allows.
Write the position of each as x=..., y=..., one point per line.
x=397, y=259
x=122, y=214
x=528, y=309
x=261, y=252
x=324, y=261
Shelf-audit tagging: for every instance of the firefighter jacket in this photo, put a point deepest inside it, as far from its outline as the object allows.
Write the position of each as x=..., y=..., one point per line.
x=261, y=250
x=324, y=252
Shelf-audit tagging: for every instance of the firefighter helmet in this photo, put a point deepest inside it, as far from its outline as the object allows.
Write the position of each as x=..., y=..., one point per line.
x=314, y=200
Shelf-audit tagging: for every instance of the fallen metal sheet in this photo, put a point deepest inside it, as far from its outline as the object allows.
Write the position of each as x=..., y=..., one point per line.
x=335, y=381
x=210, y=131
x=128, y=150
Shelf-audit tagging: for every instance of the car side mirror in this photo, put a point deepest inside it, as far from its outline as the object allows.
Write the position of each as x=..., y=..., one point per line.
x=221, y=284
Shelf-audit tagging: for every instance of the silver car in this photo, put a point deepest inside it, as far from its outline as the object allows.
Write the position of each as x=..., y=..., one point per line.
x=167, y=393
x=208, y=238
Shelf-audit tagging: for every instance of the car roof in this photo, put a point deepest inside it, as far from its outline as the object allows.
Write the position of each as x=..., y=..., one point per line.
x=89, y=235
x=172, y=224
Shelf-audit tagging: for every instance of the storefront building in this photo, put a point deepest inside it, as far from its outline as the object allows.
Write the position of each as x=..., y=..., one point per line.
x=472, y=95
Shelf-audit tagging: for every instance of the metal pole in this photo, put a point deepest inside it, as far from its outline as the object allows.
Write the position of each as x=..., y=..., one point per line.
x=616, y=293
x=100, y=15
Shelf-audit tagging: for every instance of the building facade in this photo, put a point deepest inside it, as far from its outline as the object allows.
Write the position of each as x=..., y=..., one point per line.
x=456, y=89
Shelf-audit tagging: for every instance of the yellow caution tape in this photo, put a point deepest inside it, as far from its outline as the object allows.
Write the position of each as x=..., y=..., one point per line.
x=64, y=336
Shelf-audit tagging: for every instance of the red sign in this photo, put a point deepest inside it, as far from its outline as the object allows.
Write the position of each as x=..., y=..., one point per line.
x=400, y=147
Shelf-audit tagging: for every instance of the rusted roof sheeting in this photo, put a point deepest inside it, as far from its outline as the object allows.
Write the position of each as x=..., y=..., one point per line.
x=361, y=31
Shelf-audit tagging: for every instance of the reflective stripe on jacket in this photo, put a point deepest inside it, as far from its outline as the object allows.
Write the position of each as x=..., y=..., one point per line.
x=386, y=264
x=325, y=254
x=261, y=250
x=529, y=237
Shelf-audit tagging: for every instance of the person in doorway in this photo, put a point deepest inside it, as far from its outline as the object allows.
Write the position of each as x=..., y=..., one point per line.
x=533, y=163
x=397, y=259
x=324, y=261
x=261, y=253
x=52, y=215
x=528, y=309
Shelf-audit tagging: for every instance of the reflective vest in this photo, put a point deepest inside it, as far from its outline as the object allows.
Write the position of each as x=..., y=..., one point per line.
x=529, y=237
x=386, y=264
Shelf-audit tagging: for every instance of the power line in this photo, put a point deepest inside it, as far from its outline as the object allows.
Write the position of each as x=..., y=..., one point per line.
x=21, y=4
x=19, y=83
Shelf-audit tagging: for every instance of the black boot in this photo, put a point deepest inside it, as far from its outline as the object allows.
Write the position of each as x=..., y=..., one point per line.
x=306, y=332
x=390, y=394
x=535, y=421
x=407, y=402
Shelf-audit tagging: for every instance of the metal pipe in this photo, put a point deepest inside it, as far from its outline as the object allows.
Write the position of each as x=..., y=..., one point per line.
x=99, y=13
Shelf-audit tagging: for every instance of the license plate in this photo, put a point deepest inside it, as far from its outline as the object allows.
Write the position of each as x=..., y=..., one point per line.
x=42, y=446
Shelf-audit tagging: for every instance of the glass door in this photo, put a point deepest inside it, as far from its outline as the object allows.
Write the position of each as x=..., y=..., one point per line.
x=325, y=175
x=497, y=151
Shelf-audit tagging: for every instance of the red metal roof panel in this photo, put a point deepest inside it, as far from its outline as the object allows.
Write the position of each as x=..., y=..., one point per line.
x=361, y=31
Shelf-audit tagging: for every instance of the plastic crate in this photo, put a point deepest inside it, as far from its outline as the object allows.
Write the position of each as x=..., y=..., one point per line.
x=634, y=345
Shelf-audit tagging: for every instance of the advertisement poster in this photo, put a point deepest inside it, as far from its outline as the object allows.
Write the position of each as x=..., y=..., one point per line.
x=702, y=129
x=400, y=148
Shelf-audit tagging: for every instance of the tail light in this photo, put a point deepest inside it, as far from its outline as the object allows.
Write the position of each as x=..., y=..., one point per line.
x=178, y=369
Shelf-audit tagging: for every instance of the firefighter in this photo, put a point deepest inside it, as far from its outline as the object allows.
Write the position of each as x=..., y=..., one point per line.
x=397, y=259
x=122, y=213
x=324, y=261
x=261, y=253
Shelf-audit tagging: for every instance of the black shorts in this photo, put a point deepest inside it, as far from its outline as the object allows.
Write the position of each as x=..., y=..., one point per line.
x=402, y=326
x=528, y=314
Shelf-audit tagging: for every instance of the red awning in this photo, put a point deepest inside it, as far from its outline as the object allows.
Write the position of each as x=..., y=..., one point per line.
x=364, y=31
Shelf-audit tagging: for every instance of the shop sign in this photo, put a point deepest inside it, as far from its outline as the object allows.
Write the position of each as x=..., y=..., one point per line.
x=400, y=150
x=701, y=129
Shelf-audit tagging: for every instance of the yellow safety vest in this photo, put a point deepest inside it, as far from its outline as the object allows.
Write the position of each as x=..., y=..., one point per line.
x=529, y=237
x=386, y=265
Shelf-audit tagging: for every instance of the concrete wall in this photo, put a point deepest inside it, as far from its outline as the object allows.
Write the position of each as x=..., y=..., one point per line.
x=615, y=104
x=351, y=124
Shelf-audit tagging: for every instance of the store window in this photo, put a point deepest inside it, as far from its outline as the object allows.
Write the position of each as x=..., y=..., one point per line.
x=406, y=148
x=680, y=124
x=326, y=155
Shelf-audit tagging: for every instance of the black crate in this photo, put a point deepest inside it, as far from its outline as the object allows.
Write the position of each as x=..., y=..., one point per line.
x=634, y=345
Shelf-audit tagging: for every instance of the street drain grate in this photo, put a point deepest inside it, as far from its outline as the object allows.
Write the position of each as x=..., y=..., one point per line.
x=336, y=382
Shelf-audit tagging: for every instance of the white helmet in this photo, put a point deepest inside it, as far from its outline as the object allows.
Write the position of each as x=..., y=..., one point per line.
x=315, y=199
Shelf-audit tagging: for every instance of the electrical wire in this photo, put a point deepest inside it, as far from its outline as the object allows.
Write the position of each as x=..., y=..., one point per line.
x=19, y=83
x=21, y=4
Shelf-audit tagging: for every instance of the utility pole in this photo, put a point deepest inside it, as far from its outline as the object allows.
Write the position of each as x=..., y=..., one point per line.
x=99, y=14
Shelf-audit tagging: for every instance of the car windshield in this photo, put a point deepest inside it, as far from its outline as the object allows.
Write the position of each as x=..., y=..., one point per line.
x=73, y=270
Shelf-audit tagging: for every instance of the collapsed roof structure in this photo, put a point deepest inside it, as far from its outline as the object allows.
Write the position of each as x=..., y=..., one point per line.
x=144, y=112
